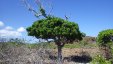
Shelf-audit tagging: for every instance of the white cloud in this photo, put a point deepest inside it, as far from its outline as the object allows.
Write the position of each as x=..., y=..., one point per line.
x=1, y=24
x=8, y=28
x=8, y=33
x=21, y=29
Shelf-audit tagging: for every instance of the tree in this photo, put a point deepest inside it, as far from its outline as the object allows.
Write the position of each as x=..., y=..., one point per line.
x=105, y=39
x=60, y=30
x=51, y=27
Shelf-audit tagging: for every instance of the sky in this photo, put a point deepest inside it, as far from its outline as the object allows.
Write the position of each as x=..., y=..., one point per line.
x=92, y=16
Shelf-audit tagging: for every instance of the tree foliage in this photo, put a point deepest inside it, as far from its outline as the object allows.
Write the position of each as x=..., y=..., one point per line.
x=55, y=28
x=105, y=37
x=50, y=27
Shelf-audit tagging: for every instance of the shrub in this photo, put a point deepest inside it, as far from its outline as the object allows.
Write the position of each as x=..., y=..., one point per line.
x=100, y=60
x=104, y=40
x=105, y=37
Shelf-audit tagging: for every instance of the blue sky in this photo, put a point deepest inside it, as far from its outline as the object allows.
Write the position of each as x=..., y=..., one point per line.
x=91, y=15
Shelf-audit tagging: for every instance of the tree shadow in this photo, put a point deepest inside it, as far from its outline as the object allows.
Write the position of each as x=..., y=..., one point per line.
x=83, y=58
x=79, y=59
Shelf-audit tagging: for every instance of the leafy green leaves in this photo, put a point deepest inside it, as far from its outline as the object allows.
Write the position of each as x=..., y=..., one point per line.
x=104, y=37
x=52, y=27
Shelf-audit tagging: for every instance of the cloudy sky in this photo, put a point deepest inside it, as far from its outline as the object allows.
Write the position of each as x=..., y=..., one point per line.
x=91, y=15
x=9, y=31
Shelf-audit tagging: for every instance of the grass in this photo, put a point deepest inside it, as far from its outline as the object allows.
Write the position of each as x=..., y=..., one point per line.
x=100, y=60
x=49, y=45
x=72, y=46
x=53, y=46
x=4, y=46
x=41, y=45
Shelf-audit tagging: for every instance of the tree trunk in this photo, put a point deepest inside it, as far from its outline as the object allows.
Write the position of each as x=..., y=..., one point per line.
x=60, y=55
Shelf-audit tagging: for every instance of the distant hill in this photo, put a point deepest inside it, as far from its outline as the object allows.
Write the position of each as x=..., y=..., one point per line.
x=89, y=39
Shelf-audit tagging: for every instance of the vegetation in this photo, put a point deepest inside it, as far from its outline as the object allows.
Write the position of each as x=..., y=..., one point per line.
x=60, y=30
x=100, y=60
x=105, y=42
x=63, y=33
x=51, y=27
x=105, y=37
x=18, y=52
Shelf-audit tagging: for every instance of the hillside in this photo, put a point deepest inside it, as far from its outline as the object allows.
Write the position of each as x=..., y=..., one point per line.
x=45, y=53
x=17, y=51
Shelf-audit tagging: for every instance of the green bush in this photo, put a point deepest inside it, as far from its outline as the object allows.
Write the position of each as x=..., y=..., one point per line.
x=104, y=37
x=104, y=40
x=100, y=60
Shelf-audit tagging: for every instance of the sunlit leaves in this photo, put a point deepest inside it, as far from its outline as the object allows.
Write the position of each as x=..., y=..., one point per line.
x=52, y=27
x=104, y=37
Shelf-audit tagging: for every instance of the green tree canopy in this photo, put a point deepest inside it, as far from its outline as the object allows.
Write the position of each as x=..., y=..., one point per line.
x=60, y=30
x=55, y=28
x=104, y=37
x=50, y=27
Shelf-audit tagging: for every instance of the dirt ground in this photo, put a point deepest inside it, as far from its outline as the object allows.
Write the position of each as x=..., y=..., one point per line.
x=77, y=55
x=77, y=51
